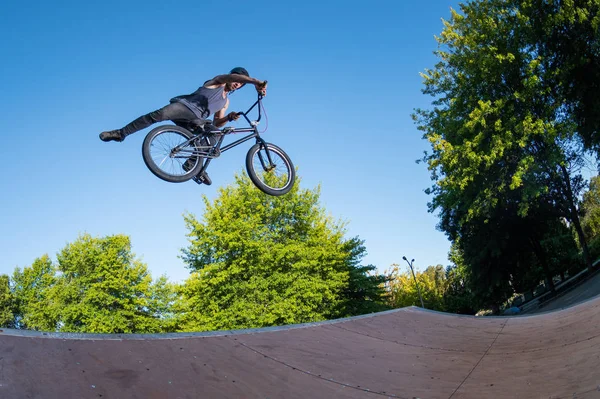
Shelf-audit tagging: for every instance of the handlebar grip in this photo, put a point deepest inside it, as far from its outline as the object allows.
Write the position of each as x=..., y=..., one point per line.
x=265, y=84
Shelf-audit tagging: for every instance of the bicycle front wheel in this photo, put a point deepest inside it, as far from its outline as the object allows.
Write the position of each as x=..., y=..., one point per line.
x=270, y=169
x=167, y=155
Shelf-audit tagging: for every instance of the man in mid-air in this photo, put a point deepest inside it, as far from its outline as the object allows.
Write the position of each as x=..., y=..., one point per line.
x=210, y=98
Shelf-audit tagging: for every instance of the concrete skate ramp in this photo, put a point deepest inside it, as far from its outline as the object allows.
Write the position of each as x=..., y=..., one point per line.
x=406, y=353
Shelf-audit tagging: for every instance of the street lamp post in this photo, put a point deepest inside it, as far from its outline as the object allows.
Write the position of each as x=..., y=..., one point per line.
x=416, y=282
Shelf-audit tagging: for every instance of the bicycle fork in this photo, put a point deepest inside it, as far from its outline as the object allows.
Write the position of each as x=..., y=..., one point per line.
x=270, y=166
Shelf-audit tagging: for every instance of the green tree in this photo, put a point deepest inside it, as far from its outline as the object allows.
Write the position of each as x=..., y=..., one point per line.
x=568, y=33
x=260, y=260
x=96, y=286
x=591, y=216
x=365, y=292
x=104, y=289
x=7, y=304
x=162, y=297
x=432, y=283
x=36, y=307
x=502, y=145
x=591, y=209
x=402, y=288
x=458, y=297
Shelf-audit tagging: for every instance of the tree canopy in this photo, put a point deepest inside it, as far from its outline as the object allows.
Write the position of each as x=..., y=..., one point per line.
x=260, y=260
x=95, y=286
x=506, y=151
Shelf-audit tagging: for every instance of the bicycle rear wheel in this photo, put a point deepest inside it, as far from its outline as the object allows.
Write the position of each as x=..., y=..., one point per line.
x=166, y=155
x=270, y=169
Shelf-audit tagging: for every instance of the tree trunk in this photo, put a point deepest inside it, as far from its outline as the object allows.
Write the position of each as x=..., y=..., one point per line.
x=574, y=216
x=586, y=253
x=539, y=253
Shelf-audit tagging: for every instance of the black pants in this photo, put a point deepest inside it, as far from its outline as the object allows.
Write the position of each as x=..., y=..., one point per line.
x=176, y=112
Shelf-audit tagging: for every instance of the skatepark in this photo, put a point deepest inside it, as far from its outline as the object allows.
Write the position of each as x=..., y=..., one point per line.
x=403, y=353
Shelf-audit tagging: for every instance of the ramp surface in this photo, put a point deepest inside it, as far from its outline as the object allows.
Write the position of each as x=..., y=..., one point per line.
x=405, y=353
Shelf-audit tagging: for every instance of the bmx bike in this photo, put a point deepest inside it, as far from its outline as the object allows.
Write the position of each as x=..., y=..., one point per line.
x=177, y=154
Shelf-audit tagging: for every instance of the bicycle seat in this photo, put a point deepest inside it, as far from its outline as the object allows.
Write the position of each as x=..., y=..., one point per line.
x=194, y=125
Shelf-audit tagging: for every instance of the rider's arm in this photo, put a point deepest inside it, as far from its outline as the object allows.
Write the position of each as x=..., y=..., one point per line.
x=260, y=85
x=233, y=78
x=220, y=119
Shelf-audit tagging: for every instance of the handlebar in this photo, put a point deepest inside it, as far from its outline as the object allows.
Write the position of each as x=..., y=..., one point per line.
x=244, y=114
x=260, y=96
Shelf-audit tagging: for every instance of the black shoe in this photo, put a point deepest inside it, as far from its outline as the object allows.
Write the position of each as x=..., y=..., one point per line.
x=202, y=179
x=188, y=164
x=112, y=135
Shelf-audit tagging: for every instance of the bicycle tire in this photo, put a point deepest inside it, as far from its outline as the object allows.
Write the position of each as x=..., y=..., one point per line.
x=258, y=176
x=177, y=163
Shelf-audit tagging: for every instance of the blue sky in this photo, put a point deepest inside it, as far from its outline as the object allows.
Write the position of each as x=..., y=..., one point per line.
x=343, y=81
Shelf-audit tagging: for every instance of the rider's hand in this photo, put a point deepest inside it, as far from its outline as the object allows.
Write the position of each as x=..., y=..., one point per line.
x=261, y=88
x=232, y=116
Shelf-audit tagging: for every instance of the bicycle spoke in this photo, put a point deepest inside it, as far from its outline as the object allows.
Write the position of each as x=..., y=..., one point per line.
x=274, y=175
x=161, y=152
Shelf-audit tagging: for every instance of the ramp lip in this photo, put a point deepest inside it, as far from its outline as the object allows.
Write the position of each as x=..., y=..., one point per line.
x=223, y=333
x=182, y=335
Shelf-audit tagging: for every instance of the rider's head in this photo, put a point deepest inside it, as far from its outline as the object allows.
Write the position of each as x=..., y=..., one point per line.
x=238, y=71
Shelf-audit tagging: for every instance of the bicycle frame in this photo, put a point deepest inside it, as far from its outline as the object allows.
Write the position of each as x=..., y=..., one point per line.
x=214, y=151
x=252, y=129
